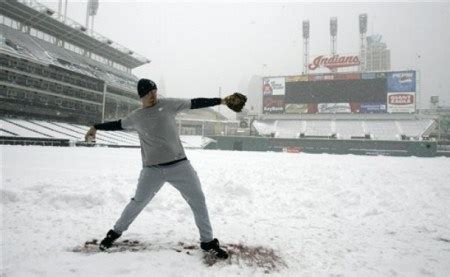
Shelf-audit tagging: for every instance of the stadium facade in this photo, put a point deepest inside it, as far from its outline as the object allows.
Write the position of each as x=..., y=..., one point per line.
x=341, y=96
x=55, y=69
x=341, y=103
x=57, y=77
x=349, y=105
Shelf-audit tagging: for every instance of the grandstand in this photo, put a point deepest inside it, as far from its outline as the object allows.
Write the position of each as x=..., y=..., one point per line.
x=349, y=105
x=348, y=112
x=57, y=77
x=39, y=132
x=53, y=68
x=395, y=129
x=351, y=98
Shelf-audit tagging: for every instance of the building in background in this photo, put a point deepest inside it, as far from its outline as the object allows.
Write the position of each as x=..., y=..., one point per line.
x=378, y=56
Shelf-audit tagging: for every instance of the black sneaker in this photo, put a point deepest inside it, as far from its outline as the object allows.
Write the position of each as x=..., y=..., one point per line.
x=213, y=247
x=107, y=242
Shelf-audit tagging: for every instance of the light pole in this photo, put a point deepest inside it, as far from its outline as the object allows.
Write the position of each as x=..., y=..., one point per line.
x=418, y=83
x=220, y=96
x=264, y=69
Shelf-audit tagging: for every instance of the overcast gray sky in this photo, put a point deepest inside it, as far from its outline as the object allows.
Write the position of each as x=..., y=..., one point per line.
x=197, y=47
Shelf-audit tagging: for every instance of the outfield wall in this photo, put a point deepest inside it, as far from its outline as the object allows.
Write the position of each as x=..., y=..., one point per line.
x=332, y=146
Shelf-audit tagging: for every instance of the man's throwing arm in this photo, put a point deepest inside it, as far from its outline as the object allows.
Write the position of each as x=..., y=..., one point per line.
x=107, y=126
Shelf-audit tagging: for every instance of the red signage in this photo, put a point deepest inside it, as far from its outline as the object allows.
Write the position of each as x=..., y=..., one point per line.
x=347, y=76
x=401, y=99
x=334, y=62
x=292, y=149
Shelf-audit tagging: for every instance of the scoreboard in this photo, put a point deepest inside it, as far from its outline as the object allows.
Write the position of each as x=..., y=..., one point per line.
x=376, y=92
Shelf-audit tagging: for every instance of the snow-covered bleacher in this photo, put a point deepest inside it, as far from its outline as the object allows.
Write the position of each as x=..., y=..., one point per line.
x=410, y=128
x=383, y=130
x=22, y=44
x=318, y=128
x=192, y=142
x=72, y=132
x=289, y=128
x=39, y=129
x=48, y=53
x=346, y=129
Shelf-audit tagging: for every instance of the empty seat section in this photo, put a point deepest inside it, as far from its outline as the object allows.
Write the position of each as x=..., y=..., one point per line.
x=318, y=128
x=346, y=129
x=264, y=128
x=21, y=130
x=289, y=129
x=382, y=130
x=67, y=133
x=414, y=128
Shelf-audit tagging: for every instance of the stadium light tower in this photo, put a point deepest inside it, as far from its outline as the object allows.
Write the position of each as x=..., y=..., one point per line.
x=362, y=35
x=305, y=46
x=65, y=10
x=91, y=12
x=333, y=38
x=59, y=6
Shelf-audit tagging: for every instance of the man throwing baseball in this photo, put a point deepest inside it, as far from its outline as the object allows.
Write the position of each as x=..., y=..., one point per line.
x=164, y=159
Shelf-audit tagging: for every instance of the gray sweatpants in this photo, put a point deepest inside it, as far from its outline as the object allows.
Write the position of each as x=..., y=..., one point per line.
x=184, y=178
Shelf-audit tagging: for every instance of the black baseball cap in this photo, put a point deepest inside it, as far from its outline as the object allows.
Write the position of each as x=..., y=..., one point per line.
x=144, y=86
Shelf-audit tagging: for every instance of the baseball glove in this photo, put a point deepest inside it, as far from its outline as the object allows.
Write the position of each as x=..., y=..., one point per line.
x=236, y=101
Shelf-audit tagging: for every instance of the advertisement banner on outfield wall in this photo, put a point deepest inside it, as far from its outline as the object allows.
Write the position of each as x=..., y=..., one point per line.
x=401, y=102
x=401, y=81
x=299, y=78
x=296, y=108
x=334, y=108
x=274, y=86
x=373, y=108
x=347, y=76
x=374, y=75
x=370, y=75
x=321, y=77
x=273, y=104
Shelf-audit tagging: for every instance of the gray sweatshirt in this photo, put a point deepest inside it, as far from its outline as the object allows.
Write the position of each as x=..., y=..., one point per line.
x=157, y=130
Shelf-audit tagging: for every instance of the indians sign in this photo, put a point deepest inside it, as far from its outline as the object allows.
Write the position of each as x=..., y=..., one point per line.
x=334, y=62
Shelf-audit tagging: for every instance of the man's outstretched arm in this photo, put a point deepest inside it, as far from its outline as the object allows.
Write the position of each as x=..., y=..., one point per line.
x=235, y=101
x=107, y=126
x=198, y=103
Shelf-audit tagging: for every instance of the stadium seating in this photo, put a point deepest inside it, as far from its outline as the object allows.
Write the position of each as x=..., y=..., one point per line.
x=318, y=128
x=42, y=51
x=346, y=129
x=384, y=130
x=72, y=132
x=48, y=53
x=289, y=129
x=40, y=129
x=412, y=128
x=22, y=44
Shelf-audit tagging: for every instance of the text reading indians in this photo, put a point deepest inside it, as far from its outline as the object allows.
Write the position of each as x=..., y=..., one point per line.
x=334, y=62
x=401, y=99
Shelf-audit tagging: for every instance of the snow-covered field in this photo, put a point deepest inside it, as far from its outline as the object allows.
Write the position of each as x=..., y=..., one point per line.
x=323, y=214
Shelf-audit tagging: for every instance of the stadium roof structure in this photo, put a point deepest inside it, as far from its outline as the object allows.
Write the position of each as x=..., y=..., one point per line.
x=40, y=17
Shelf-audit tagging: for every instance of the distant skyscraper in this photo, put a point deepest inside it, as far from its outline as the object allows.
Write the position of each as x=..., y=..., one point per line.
x=378, y=56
